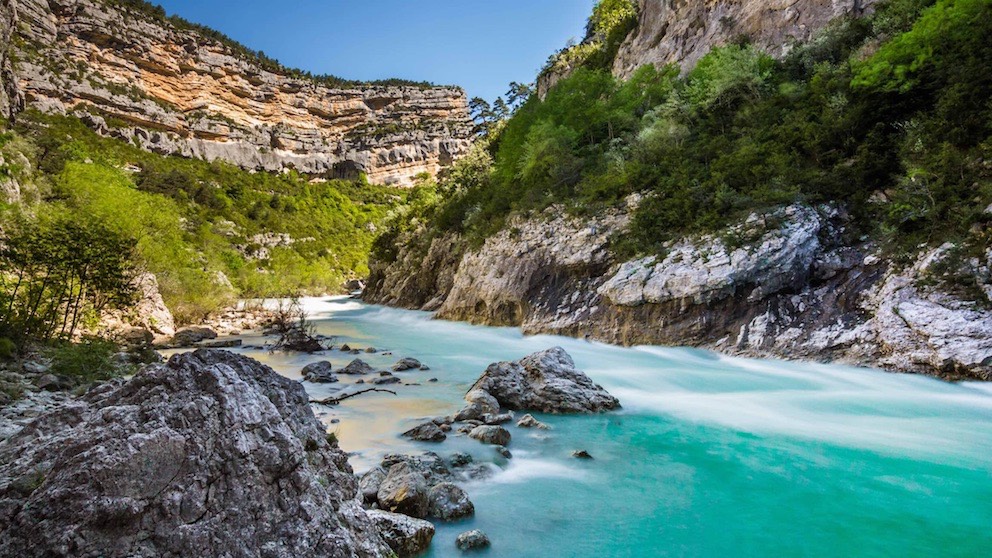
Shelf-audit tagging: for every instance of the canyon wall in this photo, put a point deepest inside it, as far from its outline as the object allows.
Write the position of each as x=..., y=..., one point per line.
x=174, y=90
x=682, y=31
x=789, y=284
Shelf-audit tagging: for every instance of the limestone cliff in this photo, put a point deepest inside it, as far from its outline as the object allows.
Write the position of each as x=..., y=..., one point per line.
x=789, y=284
x=175, y=90
x=10, y=97
x=682, y=31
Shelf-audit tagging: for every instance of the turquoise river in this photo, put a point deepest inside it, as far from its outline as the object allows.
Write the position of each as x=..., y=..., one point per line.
x=711, y=456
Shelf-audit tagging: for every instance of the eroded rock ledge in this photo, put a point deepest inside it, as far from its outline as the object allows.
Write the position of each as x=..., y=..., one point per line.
x=210, y=454
x=175, y=91
x=788, y=283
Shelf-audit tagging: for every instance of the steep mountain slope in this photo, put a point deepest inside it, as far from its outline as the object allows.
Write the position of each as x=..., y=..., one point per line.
x=834, y=204
x=171, y=88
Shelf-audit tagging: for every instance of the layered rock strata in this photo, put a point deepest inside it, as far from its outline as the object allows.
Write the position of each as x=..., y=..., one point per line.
x=174, y=90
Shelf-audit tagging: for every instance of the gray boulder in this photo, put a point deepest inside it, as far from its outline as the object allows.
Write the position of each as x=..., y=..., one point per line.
x=429, y=464
x=472, y=540
x=404, y=490
x=369, y=483
x=405, y=535
x=427, y=432
x=404, y=364
x=210, y=454
x=546, y=381
x=319, y=373
x=356, y=367
x=449, y=502
x=189, y=336
x=496, y=435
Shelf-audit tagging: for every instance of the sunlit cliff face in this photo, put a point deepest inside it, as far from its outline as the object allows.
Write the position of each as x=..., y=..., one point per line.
x=176, y=92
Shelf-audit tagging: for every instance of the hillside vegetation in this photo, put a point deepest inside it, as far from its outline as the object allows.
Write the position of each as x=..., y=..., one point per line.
x=209, y=231
x=888, y=114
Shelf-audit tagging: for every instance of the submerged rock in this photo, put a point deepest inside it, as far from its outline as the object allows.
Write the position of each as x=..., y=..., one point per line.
x=472, y=540
x=449, y=502
x=183, y=460
x=427, y=432
x=319, y=373
x=405, y=535
x=528, y=421
x=581, y=454
x=386, y=380
x=496, y=435
x=546, y=381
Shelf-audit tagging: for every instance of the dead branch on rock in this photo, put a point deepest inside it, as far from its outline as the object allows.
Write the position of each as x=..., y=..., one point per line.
x=336, y=400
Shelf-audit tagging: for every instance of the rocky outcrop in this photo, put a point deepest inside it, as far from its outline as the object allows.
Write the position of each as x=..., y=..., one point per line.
x=788, y=283
x=174, y=90
x=682, y=32
x=11, y=99
x=546, y=381
x=414, y=278
x=210, y=454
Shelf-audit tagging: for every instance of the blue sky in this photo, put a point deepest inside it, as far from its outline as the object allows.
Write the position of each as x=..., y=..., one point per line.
x=479, y=45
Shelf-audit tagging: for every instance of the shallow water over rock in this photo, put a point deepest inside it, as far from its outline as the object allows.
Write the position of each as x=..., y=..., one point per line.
x=709, y=456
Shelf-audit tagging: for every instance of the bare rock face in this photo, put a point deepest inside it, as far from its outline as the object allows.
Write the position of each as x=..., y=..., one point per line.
x=546, y=381
x=139, y=78
x=11, y=98
x=211, y=454
x=789, y=282
x=682, y=32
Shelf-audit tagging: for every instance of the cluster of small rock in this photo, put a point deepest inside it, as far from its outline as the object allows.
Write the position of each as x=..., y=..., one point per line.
x=421, y=487
x=322, y=372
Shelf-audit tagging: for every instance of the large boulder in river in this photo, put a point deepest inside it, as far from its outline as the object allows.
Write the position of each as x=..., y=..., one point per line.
x=405, y=535
x=495, y=435
x=449, y=502
x=426, y=432
x=404, y=490
x=546, y=381
x=210, y=454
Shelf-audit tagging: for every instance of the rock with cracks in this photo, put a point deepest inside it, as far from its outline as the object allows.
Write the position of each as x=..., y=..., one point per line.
x=546, y=381
x=211, y=454
x=406, y=535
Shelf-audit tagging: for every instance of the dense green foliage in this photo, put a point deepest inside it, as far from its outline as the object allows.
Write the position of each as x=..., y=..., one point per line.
x=889, y=114
x=58, y=271
x=87, y=361
x=192, y=219
x=610, y=23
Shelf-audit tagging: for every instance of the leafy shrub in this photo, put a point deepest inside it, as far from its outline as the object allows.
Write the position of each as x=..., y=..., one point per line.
x=8, y=349
x=89, y=360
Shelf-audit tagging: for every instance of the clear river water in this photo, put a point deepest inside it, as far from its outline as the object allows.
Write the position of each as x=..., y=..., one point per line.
x=711, y=456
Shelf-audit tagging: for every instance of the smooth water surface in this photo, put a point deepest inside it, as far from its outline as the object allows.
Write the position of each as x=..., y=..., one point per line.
x=710, y=456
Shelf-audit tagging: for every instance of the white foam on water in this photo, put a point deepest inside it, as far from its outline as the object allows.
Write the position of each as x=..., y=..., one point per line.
x=522, y=469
